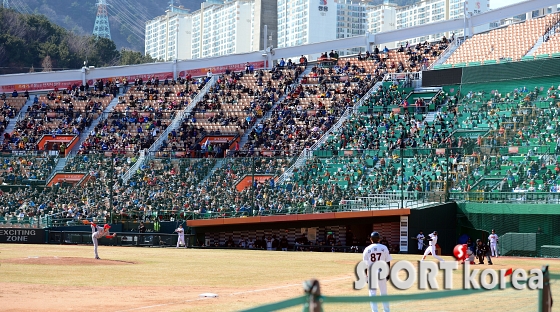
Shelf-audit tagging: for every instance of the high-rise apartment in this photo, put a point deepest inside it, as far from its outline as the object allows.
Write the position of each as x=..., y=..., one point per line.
x=220, y=27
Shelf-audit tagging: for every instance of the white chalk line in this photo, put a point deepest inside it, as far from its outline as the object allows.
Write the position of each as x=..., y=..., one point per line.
x=286, y=286
x=233, y=294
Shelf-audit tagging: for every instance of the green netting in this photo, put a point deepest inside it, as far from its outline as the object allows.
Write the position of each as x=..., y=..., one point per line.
x=513, y=70
x=524, y=229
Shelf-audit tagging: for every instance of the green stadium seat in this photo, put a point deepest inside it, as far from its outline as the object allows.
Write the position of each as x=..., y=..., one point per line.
x=527, y=58
x=542, y=56
x=490, y=62
x=556, y=54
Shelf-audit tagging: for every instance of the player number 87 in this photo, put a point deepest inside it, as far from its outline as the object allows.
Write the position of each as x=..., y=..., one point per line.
x=373, y=257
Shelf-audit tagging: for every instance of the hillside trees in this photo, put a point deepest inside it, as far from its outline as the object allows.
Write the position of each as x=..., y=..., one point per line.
x=33, y=41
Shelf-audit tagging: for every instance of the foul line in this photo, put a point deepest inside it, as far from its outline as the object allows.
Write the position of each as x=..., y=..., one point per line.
x=286, y=286
x=232, y=294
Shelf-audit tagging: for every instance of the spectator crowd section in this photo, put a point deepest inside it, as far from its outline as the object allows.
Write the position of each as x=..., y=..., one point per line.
x=140, y=116
x=11, y=106
x=551, y=45
x=232, y=106
x=400, y=142
x=69, y=111
x=510, y=43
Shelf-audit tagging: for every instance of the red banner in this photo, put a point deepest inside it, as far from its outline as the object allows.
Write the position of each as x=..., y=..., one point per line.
x=217, y=139
x=248, y=180
x=40, y=86
x=144, y=77
x=220, y=69
x=513, y=149
x=66, y=177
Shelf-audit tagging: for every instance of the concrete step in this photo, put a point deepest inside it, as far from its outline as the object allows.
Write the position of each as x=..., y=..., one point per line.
x=12, y=124
x=85, y=134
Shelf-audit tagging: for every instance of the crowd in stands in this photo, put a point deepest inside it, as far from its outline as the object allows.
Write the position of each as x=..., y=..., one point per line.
x=141, y=115
x=393, y=144
x=69, y=111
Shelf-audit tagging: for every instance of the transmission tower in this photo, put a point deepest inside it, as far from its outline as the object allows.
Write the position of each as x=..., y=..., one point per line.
x=101, y=27
x=5, y=4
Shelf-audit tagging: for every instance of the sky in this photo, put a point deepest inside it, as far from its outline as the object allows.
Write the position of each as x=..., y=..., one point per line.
x=495, y=4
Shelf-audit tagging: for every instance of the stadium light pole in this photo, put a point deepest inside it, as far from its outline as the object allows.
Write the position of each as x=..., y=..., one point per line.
x=447, y=175
x=402, y=177
x=253, y=184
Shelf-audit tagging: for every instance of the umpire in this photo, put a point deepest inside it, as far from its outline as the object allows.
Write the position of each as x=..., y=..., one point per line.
x=482, y=250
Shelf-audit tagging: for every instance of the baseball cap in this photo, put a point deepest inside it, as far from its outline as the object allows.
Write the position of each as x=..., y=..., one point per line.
x=374, y=234
x=107, y=226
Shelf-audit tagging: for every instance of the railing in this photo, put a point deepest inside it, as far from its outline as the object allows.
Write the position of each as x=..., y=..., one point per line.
x=517, y=196
x=122, y=239
x=309, y=151
x=181, y=114
x=455, y=43
x=130, y=172
x=25, y=222
x=403, y=76
x=174, y=125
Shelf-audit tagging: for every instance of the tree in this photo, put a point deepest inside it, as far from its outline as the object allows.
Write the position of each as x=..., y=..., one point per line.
x=133, y=57
x=47, y=64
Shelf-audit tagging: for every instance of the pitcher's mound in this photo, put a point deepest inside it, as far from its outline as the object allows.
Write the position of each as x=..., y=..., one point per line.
x=64, y=261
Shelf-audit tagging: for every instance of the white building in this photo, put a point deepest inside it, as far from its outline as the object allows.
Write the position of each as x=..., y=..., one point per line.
x=166, y=37
x=220, y=27
x=306, y=21
x=388, y=16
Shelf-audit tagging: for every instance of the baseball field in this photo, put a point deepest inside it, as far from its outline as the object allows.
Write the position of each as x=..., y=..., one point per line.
x=67, y=278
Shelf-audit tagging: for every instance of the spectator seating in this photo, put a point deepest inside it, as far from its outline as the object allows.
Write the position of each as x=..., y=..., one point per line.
x=507, y=43
x=56, y=113
x=10, y=109
x=23, y=169
x=551, y=47
x=139, y=117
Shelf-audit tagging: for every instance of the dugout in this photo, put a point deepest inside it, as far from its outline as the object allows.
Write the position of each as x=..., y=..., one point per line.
x=346, y=228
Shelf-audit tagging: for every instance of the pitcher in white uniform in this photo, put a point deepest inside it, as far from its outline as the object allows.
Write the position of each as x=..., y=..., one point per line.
x=98, y=232
x=432, y=248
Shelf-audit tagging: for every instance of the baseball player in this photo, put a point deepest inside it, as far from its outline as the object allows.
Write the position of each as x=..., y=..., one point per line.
x=482, y=250
x=493, y=242
x=98, y=232
x=420, y=237
x=181, y=238
x=372, y=253
x=432, y=248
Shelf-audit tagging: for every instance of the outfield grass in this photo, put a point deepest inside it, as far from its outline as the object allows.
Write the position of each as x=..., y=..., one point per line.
x=155, y=279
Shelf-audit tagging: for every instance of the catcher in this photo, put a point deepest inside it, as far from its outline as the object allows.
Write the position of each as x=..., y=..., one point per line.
x=98, y=232
x=482, y=250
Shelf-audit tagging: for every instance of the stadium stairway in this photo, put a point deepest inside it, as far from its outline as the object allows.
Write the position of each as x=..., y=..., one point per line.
x=175, y=124
x=267, y=115
x=217, y=166
x=85, y=133
x=305, y=154
x=537, y=45
x=13, y=121
x=447, y=53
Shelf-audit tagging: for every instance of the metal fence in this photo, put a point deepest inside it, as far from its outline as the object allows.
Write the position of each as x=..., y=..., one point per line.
x=122, y=239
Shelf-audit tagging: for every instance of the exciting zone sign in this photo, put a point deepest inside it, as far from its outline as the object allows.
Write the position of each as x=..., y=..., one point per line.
x=29, y=236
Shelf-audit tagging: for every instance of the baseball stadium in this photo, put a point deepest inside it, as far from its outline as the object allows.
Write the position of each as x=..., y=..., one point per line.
x=255, y=181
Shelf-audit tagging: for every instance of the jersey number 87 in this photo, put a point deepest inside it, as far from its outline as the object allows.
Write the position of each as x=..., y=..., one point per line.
x=373, y=257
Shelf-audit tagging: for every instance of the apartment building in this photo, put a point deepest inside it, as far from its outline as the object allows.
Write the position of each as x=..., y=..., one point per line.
x=219, y=27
